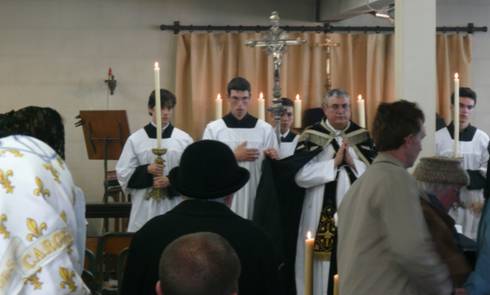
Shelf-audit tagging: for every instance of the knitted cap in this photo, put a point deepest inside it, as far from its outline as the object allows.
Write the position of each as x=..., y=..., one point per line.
x=441, y=170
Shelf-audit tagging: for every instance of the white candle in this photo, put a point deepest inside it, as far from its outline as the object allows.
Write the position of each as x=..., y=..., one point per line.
x=456, y=115
x=261, y=106
x=361, y=109
x=309, y=243
x=218, y=107
x=336, y=286
x=158, y=107
x=297, y=112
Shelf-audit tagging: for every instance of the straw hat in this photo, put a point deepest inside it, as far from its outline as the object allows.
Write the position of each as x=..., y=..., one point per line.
x=441, y=170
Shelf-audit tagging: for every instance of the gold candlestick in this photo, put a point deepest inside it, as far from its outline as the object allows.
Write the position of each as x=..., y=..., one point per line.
x=158, y=193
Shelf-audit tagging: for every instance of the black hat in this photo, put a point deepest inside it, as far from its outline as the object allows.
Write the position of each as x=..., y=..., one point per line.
x=208, y=170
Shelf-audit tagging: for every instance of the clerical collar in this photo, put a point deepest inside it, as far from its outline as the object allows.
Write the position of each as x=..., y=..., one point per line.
x=464, y=135
x=288, y=136
x=336, y=131
x=151, y=130
x=247, y=122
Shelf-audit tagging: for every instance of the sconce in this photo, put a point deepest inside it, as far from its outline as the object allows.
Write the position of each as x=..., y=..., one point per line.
x=111, y=82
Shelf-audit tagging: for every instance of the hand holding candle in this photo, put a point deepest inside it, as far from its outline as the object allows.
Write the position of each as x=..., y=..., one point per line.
x=297, y=112
x=361, y=109
x=456, y=115
x=309, y=243
x=261, y=102
x=158, y=107
x=218, y=107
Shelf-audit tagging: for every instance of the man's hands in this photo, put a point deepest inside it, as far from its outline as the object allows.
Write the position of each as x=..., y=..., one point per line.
x=344, y=156
x=159, y=181
x=242, y=153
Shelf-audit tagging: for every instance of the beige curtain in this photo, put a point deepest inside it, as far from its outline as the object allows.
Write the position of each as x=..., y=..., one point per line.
x=362, y=64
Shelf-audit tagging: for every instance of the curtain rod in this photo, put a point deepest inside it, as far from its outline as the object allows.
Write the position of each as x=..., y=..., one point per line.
x=326, y=28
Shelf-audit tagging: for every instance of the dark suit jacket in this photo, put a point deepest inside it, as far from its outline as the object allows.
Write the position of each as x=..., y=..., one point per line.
x=259, y=263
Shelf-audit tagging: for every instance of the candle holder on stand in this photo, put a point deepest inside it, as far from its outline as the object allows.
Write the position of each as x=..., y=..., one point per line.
x=158, y=193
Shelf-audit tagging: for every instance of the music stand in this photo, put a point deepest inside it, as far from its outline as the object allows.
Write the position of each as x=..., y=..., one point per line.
x=105, y=134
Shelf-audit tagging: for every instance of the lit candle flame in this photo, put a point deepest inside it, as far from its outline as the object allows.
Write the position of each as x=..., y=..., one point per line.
x=156, y=66
x=297, y=96
x=308, y=235
x=219, y=96
x=456, y=76
x=359, y=97
x=261, y=95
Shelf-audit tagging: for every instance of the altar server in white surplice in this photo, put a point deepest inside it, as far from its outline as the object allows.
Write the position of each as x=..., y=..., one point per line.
x=138, y=174
x=250, y=139
x=473, y=143
x=42, y=211
x=289, y=139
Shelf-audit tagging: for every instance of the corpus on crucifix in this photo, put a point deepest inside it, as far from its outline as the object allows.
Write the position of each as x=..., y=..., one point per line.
x=275, y=42
x=328, y=45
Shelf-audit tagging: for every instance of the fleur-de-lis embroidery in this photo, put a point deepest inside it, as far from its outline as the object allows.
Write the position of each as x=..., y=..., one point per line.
x=40, y=190
x=16, y=153
x=36, y=231
x=63, y=216
x=5, y=182
x=34, y=280
x=3, y=228
x=53, y=171
x=60, y=162
x=67, y=279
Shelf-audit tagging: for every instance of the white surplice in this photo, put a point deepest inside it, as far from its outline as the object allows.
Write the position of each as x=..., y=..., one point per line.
x=261, y=137
x=313, y=177
x=475, y=155
x=42, y=221
x=287, y=146
x=137, y=151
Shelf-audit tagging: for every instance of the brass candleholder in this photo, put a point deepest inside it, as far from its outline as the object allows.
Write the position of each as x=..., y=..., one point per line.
x=158, y=193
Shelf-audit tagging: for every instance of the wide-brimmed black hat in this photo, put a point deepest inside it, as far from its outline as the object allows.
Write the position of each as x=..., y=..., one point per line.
x=208, y=170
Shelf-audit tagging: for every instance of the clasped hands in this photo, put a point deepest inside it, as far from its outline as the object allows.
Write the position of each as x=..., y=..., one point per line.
x=343, y=156
x=242, y=153
x=159, y=180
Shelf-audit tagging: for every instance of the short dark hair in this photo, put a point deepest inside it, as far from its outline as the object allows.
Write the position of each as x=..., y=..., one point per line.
x=464, y=92
x=43, y=123
x=167, y=99
x=395, y=121
x=199, y=264
x=238, y=83
x=286, y=102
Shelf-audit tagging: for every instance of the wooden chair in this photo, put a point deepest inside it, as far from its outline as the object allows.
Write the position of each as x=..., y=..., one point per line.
x=109, y=249
x=112, y=190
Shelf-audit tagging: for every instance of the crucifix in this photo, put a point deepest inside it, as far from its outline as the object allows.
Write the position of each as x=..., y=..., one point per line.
x=275, y=42
x=329, y=44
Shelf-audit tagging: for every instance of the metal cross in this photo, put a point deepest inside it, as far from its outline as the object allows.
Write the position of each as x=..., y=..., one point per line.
x=329, y=44
x=275, y=42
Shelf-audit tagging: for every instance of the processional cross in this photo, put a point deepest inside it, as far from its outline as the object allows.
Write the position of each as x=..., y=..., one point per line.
x=329, y=44
x=275, y=42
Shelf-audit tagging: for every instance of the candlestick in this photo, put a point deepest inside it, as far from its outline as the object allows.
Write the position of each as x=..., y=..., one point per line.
x=336, y=286
x=456, y=115
x=297, y=112
x=261, y=106
x=309, y=242
x=158, y=107
x=361, y=109
x=218, y=107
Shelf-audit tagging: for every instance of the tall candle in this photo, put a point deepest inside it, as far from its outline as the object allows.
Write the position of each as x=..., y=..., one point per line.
x=456, y=115
x=158, y=107
x=361, y=108
x=297, y=112
x=261, y=106
x=218, y=107
x=336, y=286
x=309, y=243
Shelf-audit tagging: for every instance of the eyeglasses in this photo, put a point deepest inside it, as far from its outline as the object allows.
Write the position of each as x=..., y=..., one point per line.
x=337, y=107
